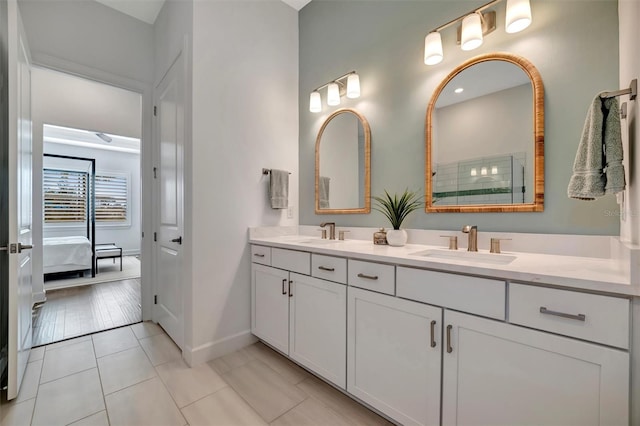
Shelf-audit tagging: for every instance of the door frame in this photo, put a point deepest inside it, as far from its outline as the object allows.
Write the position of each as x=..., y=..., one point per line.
x=145, y=89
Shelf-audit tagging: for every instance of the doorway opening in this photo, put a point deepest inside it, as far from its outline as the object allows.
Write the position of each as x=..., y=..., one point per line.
x=91, y=216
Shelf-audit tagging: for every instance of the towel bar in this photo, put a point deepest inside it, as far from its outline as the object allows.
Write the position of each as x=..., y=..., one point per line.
x=267, y=171
x=632, y=91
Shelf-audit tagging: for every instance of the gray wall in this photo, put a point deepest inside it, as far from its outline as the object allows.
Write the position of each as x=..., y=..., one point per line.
x=574, y=45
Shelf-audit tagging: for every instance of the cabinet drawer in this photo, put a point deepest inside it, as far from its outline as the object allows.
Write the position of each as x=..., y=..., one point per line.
x=601, y=319
x=474, y=295
x=372, y=276
x=291, y=260
x=329, y=268
x=261, y=254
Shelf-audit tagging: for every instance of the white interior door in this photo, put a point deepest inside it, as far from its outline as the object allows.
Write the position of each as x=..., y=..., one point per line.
x=169, y=312
x=19, y=202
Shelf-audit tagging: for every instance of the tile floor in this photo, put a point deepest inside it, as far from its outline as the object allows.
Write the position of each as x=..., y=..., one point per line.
x=135, y=376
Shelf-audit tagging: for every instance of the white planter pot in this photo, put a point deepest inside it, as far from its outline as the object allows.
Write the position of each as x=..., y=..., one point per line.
x=397, y=237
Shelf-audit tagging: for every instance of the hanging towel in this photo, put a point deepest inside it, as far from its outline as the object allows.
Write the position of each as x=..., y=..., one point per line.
x=614, y=170
x=323, y=192
x=601, y=143
x=279, y=189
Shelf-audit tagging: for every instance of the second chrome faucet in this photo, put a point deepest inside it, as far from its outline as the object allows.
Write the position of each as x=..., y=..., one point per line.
x=472, y=230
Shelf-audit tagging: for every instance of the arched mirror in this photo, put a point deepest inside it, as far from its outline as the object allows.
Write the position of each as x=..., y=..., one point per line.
x=343, y=163
x=485, y=138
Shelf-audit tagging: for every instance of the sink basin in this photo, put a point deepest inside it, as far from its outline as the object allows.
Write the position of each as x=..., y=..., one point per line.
x=468, y=256
x=317, y=241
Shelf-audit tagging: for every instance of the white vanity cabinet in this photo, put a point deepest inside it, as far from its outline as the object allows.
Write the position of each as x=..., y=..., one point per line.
x=303, y=317
x=394, y=356
x=497, y=374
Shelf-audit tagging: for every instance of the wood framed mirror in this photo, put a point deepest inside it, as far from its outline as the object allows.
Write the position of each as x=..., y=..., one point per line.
x=343, y=164
x=485, y=138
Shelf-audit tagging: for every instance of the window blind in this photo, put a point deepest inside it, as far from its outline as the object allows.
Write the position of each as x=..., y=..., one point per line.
x=65, y=196
x=111, y=198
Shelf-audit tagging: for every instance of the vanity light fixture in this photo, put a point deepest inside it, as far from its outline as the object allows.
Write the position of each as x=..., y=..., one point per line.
x=458, y=90
x=475, y=25
x=494, y=170
x=483, y=171
x=348, y=84
x=474, y=172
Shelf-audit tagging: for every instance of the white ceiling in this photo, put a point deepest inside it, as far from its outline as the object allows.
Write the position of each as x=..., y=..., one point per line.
x=89, y=139
x=147, y=10
x=144, y=10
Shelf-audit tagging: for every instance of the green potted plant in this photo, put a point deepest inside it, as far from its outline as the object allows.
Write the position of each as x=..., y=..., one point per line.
x=396, y=209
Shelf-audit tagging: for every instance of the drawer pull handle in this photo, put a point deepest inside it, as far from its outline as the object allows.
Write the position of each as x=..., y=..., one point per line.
x=258, y=255
x=368, y=277
x=324, y=268
x=433, y=334
x=449, y=348
x=290, y=294
x=579, y=317
x=284, y=282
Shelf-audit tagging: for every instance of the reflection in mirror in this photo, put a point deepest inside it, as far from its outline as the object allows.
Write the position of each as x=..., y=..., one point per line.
x=485, y=138
x=343, y=164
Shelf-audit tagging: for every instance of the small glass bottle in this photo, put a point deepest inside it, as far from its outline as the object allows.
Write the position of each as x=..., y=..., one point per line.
x=380, y=237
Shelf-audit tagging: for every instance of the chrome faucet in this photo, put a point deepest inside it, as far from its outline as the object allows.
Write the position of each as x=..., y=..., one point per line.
x=332, y=229
x=472, y=230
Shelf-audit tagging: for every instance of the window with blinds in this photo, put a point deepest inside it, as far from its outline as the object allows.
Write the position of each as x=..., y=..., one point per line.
x=111, y=198
x=65, y=196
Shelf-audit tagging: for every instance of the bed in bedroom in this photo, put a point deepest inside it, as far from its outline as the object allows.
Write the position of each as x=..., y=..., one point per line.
x=67, y=254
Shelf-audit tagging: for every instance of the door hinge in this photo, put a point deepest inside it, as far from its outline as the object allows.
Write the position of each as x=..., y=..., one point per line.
x=155, y=299
x=155, y=111
x=155, y=173
x=155, y=236
x=142, y=234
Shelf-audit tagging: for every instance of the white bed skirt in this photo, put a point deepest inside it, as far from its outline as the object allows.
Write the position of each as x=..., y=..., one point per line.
x=63, y=254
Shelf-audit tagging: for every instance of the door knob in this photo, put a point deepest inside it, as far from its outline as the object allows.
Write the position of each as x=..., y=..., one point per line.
x=177, y=240
x=24, y=247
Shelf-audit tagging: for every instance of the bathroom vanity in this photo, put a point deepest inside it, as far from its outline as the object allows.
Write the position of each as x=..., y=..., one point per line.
x=428, y=339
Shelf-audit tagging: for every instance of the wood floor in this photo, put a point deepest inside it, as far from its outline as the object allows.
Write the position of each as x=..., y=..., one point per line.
x=76, y=311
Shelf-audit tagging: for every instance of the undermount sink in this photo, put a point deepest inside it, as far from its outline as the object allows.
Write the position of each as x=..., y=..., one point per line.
x=467, y=256
x=317, y=241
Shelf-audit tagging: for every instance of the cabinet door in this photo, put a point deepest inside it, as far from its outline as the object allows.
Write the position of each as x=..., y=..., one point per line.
x=500, y=374
x=394, y=359
x=317, y=329
x=270, y=306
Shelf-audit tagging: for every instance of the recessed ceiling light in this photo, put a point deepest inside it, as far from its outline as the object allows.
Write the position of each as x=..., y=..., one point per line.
x=459, y=90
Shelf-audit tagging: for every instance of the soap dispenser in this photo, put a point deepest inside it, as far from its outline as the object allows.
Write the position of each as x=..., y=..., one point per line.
x=380, y=237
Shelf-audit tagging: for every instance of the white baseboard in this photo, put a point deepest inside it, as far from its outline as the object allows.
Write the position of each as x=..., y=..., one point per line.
x=212, y=350
x=38, y=297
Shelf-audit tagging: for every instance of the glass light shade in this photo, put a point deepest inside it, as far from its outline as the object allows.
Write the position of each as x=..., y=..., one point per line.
x=474, y=172
x=315, y=102
x=483, y=171
x=494, y=170
x=433, y=48
x=471, y=32
x=333, y=94
x=518, y=15
x=353, y=86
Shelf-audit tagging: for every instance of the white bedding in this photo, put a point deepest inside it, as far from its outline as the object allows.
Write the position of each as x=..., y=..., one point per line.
x=66, y=254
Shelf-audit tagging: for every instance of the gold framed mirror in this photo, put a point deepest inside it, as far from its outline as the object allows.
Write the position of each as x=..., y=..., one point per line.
x=343, y=164
x=485, y=138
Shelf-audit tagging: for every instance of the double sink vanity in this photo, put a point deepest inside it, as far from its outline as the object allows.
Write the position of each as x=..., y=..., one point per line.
x=427, y=336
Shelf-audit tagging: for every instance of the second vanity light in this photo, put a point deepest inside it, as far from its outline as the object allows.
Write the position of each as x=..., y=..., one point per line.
x=475, y=25
x=335, y=89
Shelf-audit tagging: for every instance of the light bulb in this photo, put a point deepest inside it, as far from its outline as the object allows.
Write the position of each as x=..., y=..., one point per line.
x=333, y=94
x=353, y=86
x=315, y=102
x=471, y=37
x=433, y=48
x=518, y=15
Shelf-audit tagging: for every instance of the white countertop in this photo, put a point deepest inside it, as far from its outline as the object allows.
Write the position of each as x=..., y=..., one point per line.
x=603, y=275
